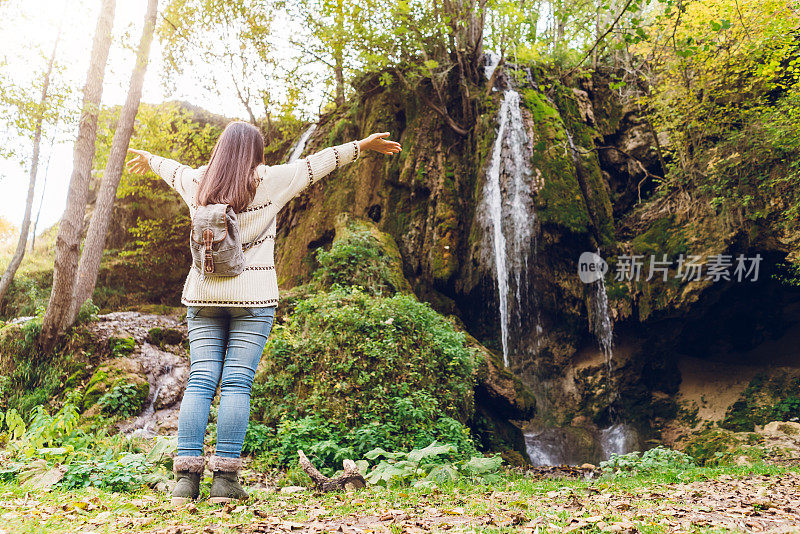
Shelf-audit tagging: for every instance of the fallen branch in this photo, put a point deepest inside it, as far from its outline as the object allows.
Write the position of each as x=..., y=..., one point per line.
x=351, y=479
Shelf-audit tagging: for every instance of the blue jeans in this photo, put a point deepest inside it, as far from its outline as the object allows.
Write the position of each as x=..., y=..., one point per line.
x=225, y=346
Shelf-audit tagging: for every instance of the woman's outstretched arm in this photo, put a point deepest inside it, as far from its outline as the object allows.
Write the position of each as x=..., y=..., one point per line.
x=178, y=176
x=292, y=178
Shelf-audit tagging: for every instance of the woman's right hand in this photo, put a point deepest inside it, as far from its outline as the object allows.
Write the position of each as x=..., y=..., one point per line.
x=377, y=143
x=140, y=163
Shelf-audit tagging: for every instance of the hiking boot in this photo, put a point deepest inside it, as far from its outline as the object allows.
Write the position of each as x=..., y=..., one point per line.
x=188, y=470
x=225, y=485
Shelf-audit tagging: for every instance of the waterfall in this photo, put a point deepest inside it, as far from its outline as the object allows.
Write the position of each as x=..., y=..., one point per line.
x=600, y=319
x=602, y=324
x=576, y=445
x=143, y=426
x=492, y=61
x=618, y=439
x=297, y=151
x=508, y=213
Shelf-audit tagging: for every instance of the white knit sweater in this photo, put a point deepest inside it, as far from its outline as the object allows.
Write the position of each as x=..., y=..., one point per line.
x=277, y=185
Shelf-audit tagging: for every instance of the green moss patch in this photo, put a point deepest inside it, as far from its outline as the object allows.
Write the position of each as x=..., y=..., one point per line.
x=118, y=373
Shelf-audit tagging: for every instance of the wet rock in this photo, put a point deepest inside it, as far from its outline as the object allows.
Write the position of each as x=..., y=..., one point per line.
x=133, y=324
x=155, y=359
x=167, y=374
x=563, y=446
x=500, y=397
x=584, y=106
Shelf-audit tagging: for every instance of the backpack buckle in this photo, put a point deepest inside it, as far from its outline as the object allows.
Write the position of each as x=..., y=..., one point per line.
x=208, y=264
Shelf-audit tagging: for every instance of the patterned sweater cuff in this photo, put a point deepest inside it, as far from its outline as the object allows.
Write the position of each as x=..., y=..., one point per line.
x=328, y=160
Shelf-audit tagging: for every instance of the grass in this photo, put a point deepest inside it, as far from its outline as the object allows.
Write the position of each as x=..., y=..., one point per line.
x=511, y=503
x=41, y=259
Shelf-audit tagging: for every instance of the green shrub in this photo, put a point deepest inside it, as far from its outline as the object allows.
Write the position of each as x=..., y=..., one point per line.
x=356, y=260
x=436, y=463
x=712, y=447
x=128, y=473
x=657, y=459
x=87, y=313
x=124, y=400
x=257, y=438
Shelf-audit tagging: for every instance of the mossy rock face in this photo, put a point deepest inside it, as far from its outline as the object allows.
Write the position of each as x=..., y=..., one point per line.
x=114, y=373
x=711, y=446
x=75, y=379
x=766, y=399
x=505, y=392
x=500, y=397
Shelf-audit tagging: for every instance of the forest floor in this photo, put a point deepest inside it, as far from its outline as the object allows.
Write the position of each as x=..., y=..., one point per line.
x=753, y=498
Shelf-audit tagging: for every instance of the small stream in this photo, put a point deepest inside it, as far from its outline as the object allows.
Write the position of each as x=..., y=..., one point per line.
x=167, y=374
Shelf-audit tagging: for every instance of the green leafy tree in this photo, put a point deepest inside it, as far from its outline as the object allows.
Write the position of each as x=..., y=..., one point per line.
x=723, y=79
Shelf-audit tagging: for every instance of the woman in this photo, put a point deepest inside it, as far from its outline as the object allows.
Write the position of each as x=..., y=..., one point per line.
x=229, y=318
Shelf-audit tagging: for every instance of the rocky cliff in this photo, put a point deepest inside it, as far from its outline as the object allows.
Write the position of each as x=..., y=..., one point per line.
x=576, y=171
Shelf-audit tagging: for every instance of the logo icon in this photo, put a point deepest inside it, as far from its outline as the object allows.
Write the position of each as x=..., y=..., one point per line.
x=591, y=267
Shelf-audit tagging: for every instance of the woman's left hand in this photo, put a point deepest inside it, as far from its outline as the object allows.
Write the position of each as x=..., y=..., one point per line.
x=139, y=164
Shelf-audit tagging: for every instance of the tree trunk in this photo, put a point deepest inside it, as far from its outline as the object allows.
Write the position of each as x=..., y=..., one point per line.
x=98, y=228
x=19, y=253
x=69, y=232
x=338, y=55
x=44, y=188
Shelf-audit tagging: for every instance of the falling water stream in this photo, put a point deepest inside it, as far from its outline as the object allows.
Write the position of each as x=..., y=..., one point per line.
x=600, y=320
x=298, y=149
x=509, y=213
x=602, y=324
x=509, y=217
x=492, y=60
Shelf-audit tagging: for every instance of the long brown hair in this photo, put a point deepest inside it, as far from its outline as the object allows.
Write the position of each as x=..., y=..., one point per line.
x=230, y=176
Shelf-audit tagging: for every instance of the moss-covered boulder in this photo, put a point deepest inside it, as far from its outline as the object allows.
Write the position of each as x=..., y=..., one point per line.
x=363, y=256
x=124, y=378
x=365, y=371
x=356, y=361
x=164, y=336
